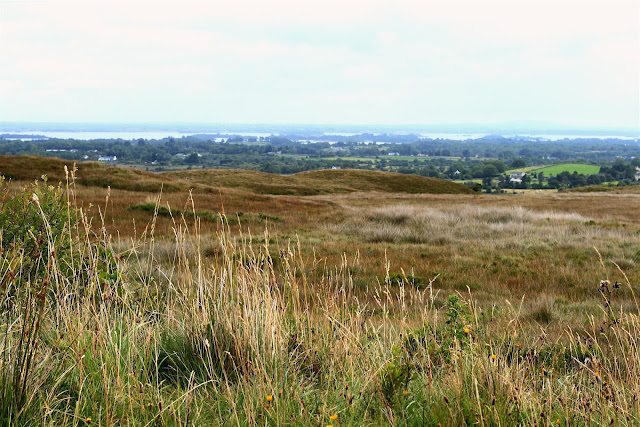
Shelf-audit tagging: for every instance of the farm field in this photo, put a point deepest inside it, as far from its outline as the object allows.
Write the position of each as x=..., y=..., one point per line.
x=328, y=297
x=568, y=167
x=526, y=169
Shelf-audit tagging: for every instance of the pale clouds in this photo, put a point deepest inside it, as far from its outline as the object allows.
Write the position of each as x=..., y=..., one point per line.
x=573, y=62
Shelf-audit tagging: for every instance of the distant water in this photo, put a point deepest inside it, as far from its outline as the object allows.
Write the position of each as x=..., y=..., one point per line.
x=101, y=135
x=132, y=135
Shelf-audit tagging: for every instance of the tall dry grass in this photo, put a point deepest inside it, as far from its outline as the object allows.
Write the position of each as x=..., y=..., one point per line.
x=232, y=329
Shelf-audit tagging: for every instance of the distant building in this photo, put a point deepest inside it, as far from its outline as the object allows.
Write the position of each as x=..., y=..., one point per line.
x=394, y=154
x=336, y=167
x=516, y=177
x=107, y=158
x=637, y=174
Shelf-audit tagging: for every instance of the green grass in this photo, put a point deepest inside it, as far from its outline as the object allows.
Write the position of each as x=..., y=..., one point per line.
x=569, y=167
x=556, y=169
x=526, y=169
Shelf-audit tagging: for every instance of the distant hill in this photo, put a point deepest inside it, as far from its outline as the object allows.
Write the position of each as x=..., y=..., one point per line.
x=26, y=168
x=320, y=182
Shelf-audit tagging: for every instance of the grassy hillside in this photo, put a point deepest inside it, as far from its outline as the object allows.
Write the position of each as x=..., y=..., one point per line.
x=569, y=167
x=320, y=182
x=381, y=308
x=26, y=168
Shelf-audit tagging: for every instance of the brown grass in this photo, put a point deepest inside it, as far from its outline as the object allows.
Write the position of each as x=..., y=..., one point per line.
x=305, y=327
x=321, y=182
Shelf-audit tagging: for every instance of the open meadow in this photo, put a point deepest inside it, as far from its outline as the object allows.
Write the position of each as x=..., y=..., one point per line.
x=320, y=298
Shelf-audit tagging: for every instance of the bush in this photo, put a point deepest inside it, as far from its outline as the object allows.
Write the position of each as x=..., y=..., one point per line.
x=35, y=221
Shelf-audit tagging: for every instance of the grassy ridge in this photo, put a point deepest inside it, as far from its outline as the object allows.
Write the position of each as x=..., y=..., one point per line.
x=321, y=182
x=94, y=174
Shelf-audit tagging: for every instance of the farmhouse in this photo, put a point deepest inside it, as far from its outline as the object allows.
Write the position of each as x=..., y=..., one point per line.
x=516, y=176
x=107, y=158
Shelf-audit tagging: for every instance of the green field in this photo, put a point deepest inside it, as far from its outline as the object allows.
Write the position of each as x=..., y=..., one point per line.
x=569, y=167
x=526, y=169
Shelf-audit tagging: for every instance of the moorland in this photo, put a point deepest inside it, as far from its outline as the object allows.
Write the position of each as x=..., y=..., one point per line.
x=328, y=297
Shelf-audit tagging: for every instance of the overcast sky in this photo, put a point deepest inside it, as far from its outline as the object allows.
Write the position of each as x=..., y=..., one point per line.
x=573, y=62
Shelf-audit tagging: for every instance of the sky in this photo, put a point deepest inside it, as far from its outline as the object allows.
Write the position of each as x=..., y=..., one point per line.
x=570, y=62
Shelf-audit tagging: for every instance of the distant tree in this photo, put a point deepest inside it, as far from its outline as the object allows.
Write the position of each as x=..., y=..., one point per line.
x=518, y=163
x=192, y=159
x=489, y=171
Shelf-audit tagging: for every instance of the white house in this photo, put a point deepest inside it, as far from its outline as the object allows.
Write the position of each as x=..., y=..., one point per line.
x=516, y=176
x=107, y=158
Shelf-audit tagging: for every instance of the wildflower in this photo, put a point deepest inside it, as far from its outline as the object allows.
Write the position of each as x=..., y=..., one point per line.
x=466, y=331
x=281, y=392
x=405, y=392
x=88, y=420
x=494, y=357
x=269, y=398
x=333, y=417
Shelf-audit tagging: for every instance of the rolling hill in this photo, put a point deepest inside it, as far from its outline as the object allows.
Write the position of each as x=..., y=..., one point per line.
x=320, y=182
x=93, y=174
